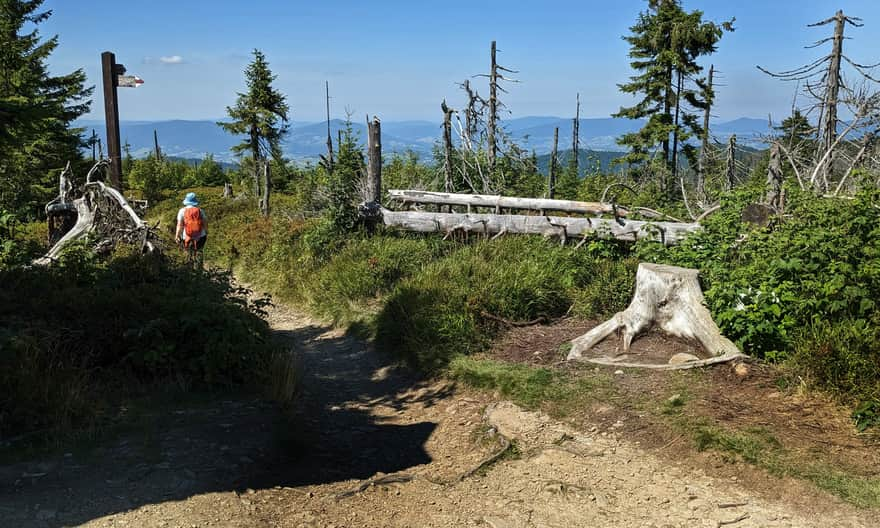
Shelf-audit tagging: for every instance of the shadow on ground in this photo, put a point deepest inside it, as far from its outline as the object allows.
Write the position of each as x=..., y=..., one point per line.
x=334, y=433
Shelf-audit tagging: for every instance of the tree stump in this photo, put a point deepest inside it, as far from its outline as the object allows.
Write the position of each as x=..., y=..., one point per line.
x=670, y=298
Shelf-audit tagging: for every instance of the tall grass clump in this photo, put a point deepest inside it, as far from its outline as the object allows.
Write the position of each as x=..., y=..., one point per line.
x=459, y=302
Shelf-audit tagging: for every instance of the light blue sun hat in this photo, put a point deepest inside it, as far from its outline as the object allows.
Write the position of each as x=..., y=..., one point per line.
x=191, y=199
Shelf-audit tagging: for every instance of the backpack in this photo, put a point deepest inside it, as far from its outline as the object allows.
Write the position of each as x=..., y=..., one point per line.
x=192, y=222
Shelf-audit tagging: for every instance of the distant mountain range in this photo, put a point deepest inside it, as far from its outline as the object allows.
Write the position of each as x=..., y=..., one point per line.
x=306, y=141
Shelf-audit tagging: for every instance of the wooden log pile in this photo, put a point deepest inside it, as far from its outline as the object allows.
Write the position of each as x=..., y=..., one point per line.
x=496, y=224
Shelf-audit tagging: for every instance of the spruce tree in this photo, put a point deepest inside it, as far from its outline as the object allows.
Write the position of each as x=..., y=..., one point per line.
x=36, y=110
x=665, y=44
x=261, y=115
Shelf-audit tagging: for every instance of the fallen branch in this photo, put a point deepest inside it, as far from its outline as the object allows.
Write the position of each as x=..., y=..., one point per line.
x=508, y=322
x=394, y=478
x=733, y=521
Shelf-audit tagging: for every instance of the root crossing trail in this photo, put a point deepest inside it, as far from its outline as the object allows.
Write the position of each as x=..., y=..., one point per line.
x=358, y=418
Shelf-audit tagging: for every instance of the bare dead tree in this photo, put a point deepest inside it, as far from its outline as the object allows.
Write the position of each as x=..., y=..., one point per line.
x=704, y=139
x=828, y=89
x=575, y=136
x=551, y=181
x=447, y=144
x=327, y=161
x=472, y=114
x=774, y=179
x=374, y=166
x=156, y=149
x=731, y=163
x=495, y=75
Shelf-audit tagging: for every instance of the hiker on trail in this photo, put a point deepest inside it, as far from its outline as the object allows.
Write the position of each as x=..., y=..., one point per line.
x=192, y=227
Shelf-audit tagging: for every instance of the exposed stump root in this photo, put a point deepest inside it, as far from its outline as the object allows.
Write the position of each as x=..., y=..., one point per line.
x=669, y=298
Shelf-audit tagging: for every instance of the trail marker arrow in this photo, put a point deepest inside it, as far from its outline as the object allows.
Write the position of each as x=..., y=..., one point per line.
x=128, y=81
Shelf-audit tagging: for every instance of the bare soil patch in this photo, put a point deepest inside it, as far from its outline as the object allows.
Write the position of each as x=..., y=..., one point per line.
x=811, y=427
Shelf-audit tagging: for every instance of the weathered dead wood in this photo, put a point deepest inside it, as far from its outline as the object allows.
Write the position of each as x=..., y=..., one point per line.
x=668, y=233
x=374, y=166
x=575, y=137
x=551, y=173
x=507, y=202
x=667, y=297
x=103, y=210
x=774, y=179
x=447, y=146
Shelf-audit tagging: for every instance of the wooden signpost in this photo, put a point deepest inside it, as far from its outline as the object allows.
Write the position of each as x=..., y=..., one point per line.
x=114, y=76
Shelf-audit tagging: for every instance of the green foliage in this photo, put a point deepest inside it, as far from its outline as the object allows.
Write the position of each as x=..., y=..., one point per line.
x=809, y=283
x=867, y=414
x=18, y=243
x=260, y=114
x=76, y=332
x=665, y=44
x=36, y=110
x=343, y=182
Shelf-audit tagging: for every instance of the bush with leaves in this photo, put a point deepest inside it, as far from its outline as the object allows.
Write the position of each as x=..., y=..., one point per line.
x=83, y=329
x=789, y=287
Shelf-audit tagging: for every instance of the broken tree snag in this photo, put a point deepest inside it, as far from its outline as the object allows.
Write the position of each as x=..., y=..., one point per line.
x=774, y=180
x=374, y=166
x=564, y=227
x=667, y=297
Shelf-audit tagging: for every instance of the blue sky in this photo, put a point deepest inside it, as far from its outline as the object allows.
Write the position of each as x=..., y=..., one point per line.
x=399, y=59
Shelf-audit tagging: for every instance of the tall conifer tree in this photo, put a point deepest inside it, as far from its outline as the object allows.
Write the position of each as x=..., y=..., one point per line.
x=665, y=44
x=261, y=115
x=36, y=110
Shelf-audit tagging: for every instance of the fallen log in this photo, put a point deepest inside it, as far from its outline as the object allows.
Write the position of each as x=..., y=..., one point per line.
x=505, y=202
x=667, y=297
x=669, y=233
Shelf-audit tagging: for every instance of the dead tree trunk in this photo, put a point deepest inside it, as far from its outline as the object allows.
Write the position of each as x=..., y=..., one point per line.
x=374, y=166
x=667, y=297
x=227, y=190
x=551, y=173
x=730, y=173
x=704, y=139
x=832, y=91
x=575, y=137
x=267, y=185
x=774, y=179
x=675, y=130
x=447, y=146
x=329, y=160
x=563, y=227
x=156, y=148
x=493, y=114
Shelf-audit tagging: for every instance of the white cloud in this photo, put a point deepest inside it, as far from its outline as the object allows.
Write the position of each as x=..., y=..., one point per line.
x=172, y=59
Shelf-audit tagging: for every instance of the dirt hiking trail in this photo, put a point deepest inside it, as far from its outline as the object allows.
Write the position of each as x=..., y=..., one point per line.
x=370, y=445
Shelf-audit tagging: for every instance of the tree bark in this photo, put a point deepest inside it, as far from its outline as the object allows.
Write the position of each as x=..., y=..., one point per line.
x=551, y=175
x=667, y=297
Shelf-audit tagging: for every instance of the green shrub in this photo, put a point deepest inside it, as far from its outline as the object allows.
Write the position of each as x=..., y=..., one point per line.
x=76, y=332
